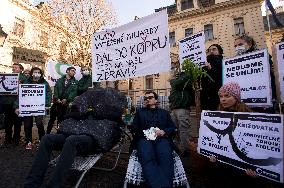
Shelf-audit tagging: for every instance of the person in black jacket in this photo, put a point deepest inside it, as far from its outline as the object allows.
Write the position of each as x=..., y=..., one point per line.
x=86, y=81
x=155, y=156
x=213, y=67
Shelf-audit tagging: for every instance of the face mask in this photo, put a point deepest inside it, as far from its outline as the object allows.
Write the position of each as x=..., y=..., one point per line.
x=36, y=75
x=86, y=72
x=239, y=50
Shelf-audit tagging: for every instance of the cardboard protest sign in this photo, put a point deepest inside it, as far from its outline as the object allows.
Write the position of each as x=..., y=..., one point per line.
x=280, y=61
x=244, y=140
x=193, y=48
x=31, y=99
x=136, y=49
x=55, y=70
x=252, y=72
x=9, y=84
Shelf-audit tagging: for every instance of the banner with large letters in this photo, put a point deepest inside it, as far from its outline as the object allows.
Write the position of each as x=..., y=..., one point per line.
x=31, y=99
x=193, y=48
x=280, y=62
x=252, y=72
x=9, y=83
x=135, y=49
x=244, y=140
x=55, y=70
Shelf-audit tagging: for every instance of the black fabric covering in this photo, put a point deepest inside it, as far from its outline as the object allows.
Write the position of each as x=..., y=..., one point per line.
x=105, y=132
x=105, y=103
x=96, y=113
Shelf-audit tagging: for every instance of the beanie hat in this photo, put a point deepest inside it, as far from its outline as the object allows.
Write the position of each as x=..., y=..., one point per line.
x=231, y=88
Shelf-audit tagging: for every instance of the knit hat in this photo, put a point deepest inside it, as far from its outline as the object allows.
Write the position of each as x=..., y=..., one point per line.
x=231, y=88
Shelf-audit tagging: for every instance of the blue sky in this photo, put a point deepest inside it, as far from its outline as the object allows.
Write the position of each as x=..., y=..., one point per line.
x=128, y=9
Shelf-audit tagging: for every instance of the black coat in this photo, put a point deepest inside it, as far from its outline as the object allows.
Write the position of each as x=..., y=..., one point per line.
x=209, y=94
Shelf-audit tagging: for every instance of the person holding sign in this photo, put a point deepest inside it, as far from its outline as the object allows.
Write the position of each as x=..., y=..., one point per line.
x=65, y=90
x=245, y=44
x=152, y=129
x=230, y=101
x=86, y=81
x=11, y=118
x=36, y=77
x=213, y=67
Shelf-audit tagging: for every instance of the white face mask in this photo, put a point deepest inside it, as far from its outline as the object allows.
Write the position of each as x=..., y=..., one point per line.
x=36, y=75
x=85, y=72
x=239, y=50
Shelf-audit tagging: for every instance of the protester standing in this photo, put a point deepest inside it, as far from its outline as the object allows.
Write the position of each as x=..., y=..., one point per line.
x=65, y=90
x=209, y=94
x=245, y=44
x=11, y=118
x=86, y=81
x=36, y=77
x=180, y=100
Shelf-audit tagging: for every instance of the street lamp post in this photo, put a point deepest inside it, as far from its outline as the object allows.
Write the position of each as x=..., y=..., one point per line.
x=3, y=36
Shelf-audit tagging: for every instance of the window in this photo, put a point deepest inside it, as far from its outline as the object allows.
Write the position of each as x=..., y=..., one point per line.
x=208, y=31
x=172, y=38
x=206, y=3
x=239, y=26
x=44, y=38
x=188, y=32
x=19, y=27
x=149, y=82
x=130, y=84
x=186, y=4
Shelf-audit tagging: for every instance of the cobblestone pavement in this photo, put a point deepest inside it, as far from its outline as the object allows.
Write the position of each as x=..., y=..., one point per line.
x=15, y=162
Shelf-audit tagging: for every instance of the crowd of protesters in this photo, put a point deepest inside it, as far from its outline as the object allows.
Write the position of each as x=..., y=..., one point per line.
x=65, y=90
x=158, y=169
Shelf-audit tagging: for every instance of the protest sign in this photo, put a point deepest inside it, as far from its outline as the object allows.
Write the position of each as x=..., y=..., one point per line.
x=31, y=99
x=280, y=62
x=136, y=49
x=252, y=72
x=193, y=48
x=244, y=140
x=55, y=70
x=9, y=84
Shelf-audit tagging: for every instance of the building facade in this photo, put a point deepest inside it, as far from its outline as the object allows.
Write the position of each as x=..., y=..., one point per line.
x=221, y=20
x=33, y=36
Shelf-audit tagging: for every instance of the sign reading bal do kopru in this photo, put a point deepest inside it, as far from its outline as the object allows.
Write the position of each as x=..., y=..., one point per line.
x=136, y=49
x=244, y=140
x=31, y=99
x=252, y=72
x=9, y=84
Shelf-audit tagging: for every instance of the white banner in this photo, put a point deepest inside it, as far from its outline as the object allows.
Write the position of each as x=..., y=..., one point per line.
x=193, y=48
x=252, y=72
x=246, y=141
x=55, y=70
x=136, y=49
x=31, y=99
x=9, y=84
x=280, y=62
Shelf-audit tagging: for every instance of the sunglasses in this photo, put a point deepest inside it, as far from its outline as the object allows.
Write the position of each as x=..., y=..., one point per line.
x=150, y=97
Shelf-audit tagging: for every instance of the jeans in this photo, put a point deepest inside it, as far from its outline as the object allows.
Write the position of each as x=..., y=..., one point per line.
x=181, y=118
x=28, y=125
x=72, y=145
x=157, y=162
